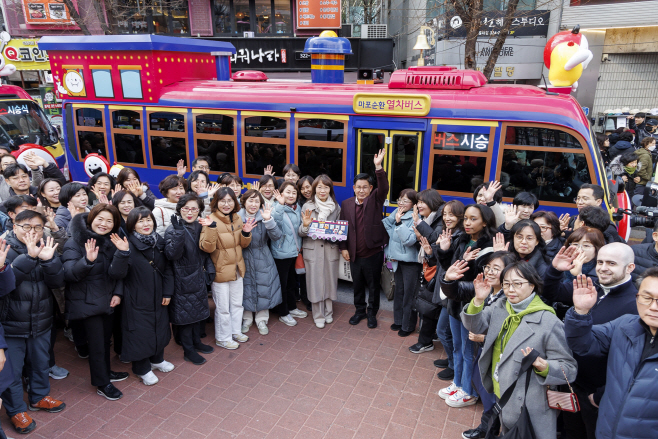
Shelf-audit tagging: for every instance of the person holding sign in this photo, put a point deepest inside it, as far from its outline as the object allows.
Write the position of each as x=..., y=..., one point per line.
x=321, y=257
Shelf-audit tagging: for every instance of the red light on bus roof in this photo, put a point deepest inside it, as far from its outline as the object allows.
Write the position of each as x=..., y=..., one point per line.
x=249, y=76
x=437, y=78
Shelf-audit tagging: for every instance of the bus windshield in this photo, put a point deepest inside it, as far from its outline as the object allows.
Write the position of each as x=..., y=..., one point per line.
x=24, y=122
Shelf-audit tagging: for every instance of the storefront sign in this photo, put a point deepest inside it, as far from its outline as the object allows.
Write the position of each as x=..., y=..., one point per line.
x=25, y=54
x=46, y=12
x=461, y=141
x=404, y=105
x=318, y=14
x=49, y=101
x=525, y=24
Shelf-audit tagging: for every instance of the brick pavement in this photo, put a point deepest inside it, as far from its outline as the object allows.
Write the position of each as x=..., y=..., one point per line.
x=302, y=382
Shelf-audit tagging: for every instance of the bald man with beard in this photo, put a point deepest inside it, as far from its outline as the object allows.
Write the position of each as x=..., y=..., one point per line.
x=616, y=297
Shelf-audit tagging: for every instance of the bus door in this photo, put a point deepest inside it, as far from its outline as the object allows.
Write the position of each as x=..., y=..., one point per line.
x=402, y=162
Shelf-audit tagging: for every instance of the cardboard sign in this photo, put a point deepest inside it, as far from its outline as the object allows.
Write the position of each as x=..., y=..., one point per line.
x=328, y=230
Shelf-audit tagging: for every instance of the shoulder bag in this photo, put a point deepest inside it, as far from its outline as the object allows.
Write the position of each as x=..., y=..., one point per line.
x=523, y=428
x=565, y=401
x=423, y=304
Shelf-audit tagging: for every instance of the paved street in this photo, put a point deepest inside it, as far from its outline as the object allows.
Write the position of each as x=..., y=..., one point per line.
x=338, y=382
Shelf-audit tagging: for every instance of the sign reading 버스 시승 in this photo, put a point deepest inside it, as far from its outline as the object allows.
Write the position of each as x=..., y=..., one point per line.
x=400, y=105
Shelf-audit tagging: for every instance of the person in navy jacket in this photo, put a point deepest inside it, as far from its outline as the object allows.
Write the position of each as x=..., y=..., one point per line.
x=7, y=285
x=616, y=297
x=629, y=407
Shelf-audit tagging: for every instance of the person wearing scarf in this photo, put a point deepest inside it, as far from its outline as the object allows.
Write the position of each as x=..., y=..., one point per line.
x=321, y=258
x=515, y=326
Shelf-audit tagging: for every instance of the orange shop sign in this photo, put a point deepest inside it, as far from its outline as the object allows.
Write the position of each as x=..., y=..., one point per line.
x=46, y=12
x=318, y=14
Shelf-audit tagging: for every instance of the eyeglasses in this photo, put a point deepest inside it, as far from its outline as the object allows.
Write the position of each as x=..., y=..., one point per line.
x=28, y=228
x=517, y=285
x=645, y=300
x=191, y=209
x=403, y=201
x=490, y=269
x=522, y=238
x=203, y=168
x=224, y=202
x=545, y=228
x=583, y=246
x=361, y=188
x=581, y=199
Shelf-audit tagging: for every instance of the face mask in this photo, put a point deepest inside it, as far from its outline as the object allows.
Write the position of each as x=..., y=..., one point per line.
x=629, y=170
x=651, y=148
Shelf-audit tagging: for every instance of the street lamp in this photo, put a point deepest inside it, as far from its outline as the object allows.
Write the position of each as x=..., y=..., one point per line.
x=421, y=43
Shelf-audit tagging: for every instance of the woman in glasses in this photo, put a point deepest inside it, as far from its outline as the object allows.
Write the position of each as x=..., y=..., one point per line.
x=515, y=327
x=402, y=250
x=551, y=232
x=588, y=241
x=193, y=271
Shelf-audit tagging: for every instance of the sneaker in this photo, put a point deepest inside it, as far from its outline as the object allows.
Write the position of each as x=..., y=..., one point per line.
x=204, y=348
x=419, y=348
x=395, y=327
x=319, y=324
x=110, y=392
x=194, y=358
x=449, y=391
x=461, y=399
x=48, y=404
x=474, y=433
x=328, y=320
x=83, y=352
x=58, y=373
x=240, y=338
x=288, y=320
x=165, y=366
x=298, y=313
x=446, y=374
x=23, y=423
x=435, y=338
x=230, y=344
x=262, y=328
x=118, y=376
x=68, y=333
x=245, y=327
x=149, y=379
x=441, y=363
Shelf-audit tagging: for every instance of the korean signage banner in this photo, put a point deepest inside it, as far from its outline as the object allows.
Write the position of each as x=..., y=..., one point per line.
x=380, y=103
x=46, y=12
x=318, y=14
x=525, y=24
x=461, y=141
x=25, y=54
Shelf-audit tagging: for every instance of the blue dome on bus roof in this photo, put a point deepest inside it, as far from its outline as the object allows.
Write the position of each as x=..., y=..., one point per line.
x=328, y=42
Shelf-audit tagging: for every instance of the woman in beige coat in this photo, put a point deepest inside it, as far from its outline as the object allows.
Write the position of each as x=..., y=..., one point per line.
x=321, y=257
x=224, y=235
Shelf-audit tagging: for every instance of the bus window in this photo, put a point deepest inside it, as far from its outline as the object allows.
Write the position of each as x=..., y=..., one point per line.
x=90, y=131
x=167, y=138
x=264, y=143
x=536, y=136
x=403, y=163
x=321, y=148
x=24, y=122
x=370, y=144
x=127, y=135
x=459, y=161
x=214, y=137
x=552, y=176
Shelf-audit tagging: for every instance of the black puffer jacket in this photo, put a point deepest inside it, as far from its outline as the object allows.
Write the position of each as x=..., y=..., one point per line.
x=553, y=247
x=91, y=285
x=192, y=269
x=645, y=257
x=145, y=320
x=28, y=310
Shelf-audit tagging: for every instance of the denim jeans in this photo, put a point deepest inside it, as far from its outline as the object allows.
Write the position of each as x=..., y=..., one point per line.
x=445, y=335
x=34, y=351
x=488, y=399
x=463, y=356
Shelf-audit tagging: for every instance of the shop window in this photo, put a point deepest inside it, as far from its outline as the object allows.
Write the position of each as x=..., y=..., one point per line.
x=148, y=17
x=102, y=82
x=551, y=175
x=215, y=138
x=127, y=135
x=167, y=139
x=131, y=83
x=263, y=17
x=90, y=132
x=321, y=148
x=535, y=136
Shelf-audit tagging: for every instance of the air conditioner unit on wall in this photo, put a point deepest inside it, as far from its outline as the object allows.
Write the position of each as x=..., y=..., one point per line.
x=374, y=31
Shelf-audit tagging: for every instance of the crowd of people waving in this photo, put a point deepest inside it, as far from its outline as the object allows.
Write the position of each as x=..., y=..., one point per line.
x=522, y=300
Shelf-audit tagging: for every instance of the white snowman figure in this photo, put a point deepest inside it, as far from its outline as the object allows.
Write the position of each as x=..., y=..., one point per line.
x=5, y=69
x=95, y=164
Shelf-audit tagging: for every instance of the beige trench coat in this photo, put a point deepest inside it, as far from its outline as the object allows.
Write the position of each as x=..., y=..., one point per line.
x=321, y=259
